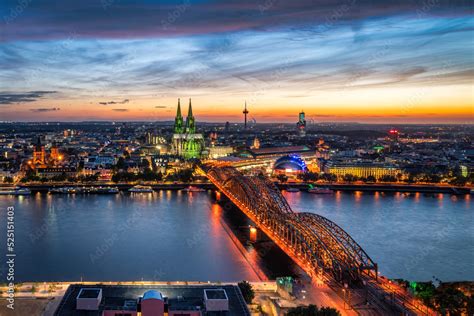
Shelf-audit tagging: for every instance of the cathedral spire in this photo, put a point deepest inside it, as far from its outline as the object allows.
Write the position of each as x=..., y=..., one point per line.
x=190, y=111
x=178, y=113
x=178, y=121
x=190, y=124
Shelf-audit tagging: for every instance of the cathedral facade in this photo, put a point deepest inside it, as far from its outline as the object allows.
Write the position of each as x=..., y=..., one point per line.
x=186, y=142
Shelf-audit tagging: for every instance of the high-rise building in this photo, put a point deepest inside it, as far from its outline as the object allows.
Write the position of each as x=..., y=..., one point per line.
x=256, y=143
x=301, y=123
x=186, y=142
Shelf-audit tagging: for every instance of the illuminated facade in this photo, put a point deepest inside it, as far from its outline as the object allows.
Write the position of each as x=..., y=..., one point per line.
x=362, y=170
x=186, y=142
x=291, y=164
x=301, y=124
x=39, y=154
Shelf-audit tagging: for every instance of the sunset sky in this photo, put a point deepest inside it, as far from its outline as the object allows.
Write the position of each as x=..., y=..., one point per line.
x=364, y=61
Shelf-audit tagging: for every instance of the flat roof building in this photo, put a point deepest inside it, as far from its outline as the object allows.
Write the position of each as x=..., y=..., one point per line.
x=152, y=300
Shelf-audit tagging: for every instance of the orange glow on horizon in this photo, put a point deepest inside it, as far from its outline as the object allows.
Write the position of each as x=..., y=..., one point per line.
x=404, y=105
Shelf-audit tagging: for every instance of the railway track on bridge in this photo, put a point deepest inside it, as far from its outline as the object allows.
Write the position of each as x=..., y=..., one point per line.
x=318, y=245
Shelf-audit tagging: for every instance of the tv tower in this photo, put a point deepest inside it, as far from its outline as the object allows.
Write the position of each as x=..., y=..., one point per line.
x=245, y=114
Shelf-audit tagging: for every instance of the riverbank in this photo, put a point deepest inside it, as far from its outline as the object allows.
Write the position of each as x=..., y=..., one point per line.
x=409, y=188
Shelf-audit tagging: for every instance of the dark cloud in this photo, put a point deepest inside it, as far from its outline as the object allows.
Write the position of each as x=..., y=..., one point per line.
x=23, y=97
x=160, y=107
x=128, y=19
x=45, y=110
x=120, y=110
x=115, y=102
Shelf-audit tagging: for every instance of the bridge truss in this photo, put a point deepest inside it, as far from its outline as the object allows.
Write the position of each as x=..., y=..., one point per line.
x=317, y=244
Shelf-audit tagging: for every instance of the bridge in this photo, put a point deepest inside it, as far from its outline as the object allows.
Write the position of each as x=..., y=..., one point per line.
x=318, y=245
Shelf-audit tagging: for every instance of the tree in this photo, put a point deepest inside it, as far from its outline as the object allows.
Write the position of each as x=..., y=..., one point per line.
x=349, y=177
x=309, y=176
x=120, y=165
x=425, y=291
x=459, y=181
x=450, y=300
x=371, y=179
x=312, y=310
x=328, y=311
x=247, y=291
x=282, y=178
x=33, y=289
x=387, y=178
x=330, y=177
x=8, y=180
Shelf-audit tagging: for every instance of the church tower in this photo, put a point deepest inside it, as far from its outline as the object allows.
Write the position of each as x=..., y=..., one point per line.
x=39, y=154
x=178, y=121
x=190, y=124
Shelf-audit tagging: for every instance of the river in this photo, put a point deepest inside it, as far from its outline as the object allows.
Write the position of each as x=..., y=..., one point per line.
x=170, y=235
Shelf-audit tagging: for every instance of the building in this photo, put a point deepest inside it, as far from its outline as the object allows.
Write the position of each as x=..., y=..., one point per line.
x=152, y=300
x=39, y=154
x=186, y=142
x=266, y=157
x=290, y=165
x=220, y=151
x=362, y=169
x=255, y=143
x=50, y=172
x=301, y=124
x=153, y=138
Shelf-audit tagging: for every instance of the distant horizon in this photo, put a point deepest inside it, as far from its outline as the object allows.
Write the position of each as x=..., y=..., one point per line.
x=236, y=122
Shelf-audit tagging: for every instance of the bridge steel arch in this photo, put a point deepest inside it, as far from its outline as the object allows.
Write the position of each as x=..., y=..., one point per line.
x=317, y=244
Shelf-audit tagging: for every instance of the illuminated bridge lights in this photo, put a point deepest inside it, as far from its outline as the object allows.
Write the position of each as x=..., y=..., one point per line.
x=319, y=246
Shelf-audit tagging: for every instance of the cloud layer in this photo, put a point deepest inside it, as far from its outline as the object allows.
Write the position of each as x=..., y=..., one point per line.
x=25, y=97
x=274, y=54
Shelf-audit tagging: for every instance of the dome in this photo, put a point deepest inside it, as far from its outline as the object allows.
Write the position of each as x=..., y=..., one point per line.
x=152, y=294
x=293, y=163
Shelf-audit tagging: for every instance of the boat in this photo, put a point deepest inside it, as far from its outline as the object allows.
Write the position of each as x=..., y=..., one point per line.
x=141, y=189
x=317, y=190
x=64, y=190
x=292, y=190
x=14, y=191
x=193, y=189
x=104, y=190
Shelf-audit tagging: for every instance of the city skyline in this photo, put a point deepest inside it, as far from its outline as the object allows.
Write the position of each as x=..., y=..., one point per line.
x=397, y=62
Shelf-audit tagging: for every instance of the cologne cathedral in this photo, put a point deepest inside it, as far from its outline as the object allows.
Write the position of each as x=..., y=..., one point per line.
x=186, y=142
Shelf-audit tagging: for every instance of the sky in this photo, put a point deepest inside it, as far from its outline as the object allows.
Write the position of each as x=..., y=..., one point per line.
x=339, y=61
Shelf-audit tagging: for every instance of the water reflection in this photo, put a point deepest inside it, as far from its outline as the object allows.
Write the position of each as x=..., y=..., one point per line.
x=402, y=234
x=411, y=236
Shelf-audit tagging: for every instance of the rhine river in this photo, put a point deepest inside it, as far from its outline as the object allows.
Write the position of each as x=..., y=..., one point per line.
x=170, y=235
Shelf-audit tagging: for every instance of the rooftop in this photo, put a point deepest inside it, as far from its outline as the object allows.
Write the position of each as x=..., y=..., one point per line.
x=215, y=294
x=119, y=297
x=89, y=293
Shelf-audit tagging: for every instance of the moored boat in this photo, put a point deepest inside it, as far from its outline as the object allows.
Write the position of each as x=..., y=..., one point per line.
x=193, y=189
x=14, y=191
x=317, y=190
x=141, y=189
x=103, y=190
x=292, y=190
x=64, y=190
